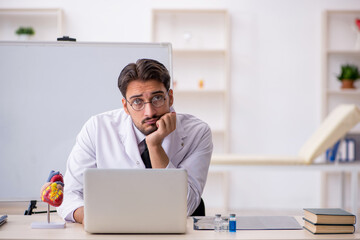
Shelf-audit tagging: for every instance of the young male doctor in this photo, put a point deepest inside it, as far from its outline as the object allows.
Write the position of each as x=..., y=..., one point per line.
x=146, y=133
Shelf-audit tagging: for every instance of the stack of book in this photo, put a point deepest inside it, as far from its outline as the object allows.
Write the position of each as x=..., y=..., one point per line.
x=329, y=220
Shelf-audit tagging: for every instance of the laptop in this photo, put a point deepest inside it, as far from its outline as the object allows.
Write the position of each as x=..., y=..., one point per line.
x=135, y=200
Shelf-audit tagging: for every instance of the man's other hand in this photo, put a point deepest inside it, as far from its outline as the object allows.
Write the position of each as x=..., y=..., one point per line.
x=79, y=215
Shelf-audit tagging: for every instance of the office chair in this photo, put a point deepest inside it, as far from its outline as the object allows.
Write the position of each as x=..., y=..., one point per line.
x=200, y=210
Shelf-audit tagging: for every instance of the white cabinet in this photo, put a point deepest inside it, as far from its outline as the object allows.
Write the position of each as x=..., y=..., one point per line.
x=339, y=48
x=47, y=23
x=200, y=41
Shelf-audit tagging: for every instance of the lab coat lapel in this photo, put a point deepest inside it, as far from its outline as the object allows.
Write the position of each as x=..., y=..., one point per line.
x=130, y=143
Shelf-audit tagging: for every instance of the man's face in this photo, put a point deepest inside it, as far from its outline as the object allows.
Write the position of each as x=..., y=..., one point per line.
x=146, y=91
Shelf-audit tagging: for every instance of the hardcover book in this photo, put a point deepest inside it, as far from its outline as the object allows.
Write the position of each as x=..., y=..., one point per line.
x=328, y=228
x=329, y=216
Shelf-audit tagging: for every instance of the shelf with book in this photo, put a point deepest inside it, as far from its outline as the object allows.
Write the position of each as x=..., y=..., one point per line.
x=200, y=42
x=46, y=22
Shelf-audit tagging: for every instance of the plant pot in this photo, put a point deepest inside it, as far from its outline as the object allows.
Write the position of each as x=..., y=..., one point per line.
x=346, y=84
x=24, y=37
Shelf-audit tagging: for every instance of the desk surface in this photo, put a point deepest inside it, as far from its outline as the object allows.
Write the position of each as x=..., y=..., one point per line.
x=18, y=227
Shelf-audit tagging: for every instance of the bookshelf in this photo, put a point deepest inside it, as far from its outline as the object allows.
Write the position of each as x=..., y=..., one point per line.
x=47, y=23
x=200, y=41
x=339, y=47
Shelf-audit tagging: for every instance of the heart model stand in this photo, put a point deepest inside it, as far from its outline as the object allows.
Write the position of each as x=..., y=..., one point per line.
x=51, y=193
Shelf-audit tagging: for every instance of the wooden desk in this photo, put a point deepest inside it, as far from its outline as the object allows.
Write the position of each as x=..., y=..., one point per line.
x=18, y=227
x=258, y=163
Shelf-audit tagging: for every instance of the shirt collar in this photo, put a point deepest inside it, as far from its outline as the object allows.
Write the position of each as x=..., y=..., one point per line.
x=139, y=135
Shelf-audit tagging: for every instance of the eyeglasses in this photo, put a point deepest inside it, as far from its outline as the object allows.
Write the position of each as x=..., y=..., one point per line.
x=138, y=104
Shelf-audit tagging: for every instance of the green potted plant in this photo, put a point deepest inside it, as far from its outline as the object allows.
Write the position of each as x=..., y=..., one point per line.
x=25, y=32
x=349, y=74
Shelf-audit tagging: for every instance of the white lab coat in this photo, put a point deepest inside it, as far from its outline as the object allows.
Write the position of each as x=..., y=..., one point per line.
x=108, y=140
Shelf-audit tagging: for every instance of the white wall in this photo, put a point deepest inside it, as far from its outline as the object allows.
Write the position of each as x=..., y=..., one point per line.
x=275, y=76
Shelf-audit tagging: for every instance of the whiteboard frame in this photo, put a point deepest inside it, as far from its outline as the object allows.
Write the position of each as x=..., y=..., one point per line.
x=72, y=44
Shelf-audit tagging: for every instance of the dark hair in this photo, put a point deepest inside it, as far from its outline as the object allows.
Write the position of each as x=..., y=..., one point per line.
x=143, y=69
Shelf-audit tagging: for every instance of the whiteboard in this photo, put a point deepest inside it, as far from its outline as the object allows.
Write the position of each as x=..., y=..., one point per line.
x=47, y=92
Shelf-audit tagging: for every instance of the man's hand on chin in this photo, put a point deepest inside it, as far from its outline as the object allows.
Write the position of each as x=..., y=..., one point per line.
x=166, y=125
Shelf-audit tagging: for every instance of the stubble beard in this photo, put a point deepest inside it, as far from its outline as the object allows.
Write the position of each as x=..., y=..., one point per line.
x=147, y=131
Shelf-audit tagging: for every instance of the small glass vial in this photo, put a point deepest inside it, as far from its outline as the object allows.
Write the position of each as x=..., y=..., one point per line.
x=225, y=224
x=217, y=223
x=232, y=223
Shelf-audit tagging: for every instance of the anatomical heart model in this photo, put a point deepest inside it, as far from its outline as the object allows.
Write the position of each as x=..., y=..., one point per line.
x=52, y=192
